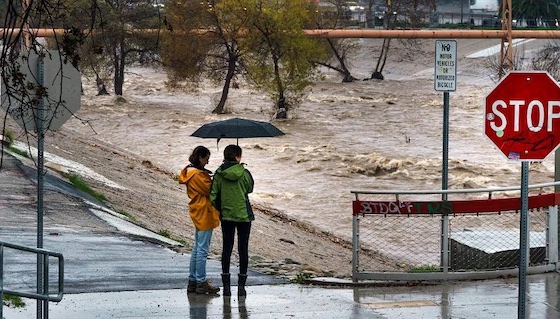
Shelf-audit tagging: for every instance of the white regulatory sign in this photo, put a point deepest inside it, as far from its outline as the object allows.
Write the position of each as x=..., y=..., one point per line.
x=62, y=82
x=445, y=74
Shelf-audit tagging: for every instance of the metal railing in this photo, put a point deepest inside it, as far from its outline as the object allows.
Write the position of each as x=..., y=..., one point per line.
x=475, y=236
x=44, y=255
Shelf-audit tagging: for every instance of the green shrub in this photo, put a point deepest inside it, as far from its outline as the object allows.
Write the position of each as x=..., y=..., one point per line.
x=301, y=278
x=81, y=185
x=127, y=214
x=18, y=151
x=10, y=136
x=424, y=268
x=164, y=233
x=13, y=301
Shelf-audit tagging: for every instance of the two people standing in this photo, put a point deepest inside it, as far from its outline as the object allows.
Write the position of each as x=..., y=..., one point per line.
x=227, y=197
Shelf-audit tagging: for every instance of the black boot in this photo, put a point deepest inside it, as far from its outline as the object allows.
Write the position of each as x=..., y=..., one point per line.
x=191, y=287
x=226, y=281
x=241, y=285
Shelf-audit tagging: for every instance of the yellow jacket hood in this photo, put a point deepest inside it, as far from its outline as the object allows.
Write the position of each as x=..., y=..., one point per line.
x=198, y=183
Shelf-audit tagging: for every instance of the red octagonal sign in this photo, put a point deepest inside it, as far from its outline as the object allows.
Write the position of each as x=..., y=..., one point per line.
x=522, y=115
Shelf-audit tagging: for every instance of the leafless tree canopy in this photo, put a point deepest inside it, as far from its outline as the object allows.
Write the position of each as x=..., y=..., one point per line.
x=547, y=59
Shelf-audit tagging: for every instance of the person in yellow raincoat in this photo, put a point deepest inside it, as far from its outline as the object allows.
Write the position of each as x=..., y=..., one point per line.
x=204, y=217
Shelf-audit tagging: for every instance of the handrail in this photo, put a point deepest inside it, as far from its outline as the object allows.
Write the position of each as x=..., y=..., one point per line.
x=452, y=191
x=46, y=254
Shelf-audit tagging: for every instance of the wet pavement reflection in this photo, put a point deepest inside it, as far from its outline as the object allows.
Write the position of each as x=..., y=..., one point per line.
x=465, y=299
x=241, y=308
x=456, y=300
x=199, y=305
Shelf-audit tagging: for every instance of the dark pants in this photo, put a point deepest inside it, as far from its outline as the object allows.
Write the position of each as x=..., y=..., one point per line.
x=228, y=232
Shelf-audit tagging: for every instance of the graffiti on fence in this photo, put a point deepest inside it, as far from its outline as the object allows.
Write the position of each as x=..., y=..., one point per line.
x=473, y=206
x=399, y=207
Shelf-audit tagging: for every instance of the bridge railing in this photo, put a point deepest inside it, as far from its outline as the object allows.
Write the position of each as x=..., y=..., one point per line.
x=475, y=236
x=43, y=255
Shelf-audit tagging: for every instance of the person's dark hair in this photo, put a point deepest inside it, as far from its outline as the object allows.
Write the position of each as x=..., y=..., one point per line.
x=231, y=152
x=198, y=153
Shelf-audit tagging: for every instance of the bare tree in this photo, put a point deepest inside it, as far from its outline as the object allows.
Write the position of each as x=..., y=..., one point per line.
x=117, y=41
x=411, y=13
x=547, y=58
x=332, y=15
x=493, y=63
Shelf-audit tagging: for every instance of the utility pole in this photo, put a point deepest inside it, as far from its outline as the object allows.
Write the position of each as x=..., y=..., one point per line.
x=506, y=55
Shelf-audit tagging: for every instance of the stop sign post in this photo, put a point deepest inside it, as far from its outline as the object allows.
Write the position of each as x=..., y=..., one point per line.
x=522, y=118
x=522, y=115
x=61, y=81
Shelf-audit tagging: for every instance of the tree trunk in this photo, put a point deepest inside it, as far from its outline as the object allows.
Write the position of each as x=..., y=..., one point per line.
x=348, y=78
x=119, y=81
x=119, y=61
x=225, y=90
x=341, y=60
x=378, y=73
x=386, y=45
x=389, y=25
x=101, y=89
x=281, y=105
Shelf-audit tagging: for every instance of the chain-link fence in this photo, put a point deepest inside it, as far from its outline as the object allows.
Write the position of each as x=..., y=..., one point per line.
x=491, y=241
x=467, y=18
x=417, y=242
x=489, y=20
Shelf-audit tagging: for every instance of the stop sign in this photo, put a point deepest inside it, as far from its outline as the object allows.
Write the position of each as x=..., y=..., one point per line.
x=62, y=83
x=522, y=115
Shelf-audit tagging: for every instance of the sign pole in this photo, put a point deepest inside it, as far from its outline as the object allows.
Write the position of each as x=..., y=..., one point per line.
x=41, y=304
x=44, y=114
x=444, y=185
x=445, y=80
x=521, y=116
x=523, y=236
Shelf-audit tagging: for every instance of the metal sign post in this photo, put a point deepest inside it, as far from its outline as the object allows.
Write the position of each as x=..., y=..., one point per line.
x=523, y=239
x=41, y=304
x=520, y=114
x=445, y=80
x=61, y=83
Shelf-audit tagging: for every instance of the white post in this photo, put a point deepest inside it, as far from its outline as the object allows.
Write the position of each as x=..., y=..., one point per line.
x=355, y=247
x=552, y=236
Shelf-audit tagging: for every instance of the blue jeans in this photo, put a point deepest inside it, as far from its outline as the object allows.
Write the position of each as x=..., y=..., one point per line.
x=199, y=254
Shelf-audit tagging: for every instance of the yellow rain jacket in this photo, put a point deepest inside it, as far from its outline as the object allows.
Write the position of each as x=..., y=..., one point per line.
x=198, y=182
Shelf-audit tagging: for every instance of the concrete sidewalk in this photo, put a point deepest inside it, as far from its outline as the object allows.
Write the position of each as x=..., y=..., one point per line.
x=116, y=270
x=457, y=300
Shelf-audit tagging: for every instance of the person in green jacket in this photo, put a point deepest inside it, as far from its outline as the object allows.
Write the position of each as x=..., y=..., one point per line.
x=230, y=195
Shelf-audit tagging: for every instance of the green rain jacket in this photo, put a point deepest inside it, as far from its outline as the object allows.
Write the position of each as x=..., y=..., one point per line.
x=230, y=192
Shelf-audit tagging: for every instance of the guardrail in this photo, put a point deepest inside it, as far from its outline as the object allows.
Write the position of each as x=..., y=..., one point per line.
x=44, y=255
x=472, y=237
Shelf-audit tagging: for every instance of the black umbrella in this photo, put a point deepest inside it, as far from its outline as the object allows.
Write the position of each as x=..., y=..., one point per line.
x=237, y=128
